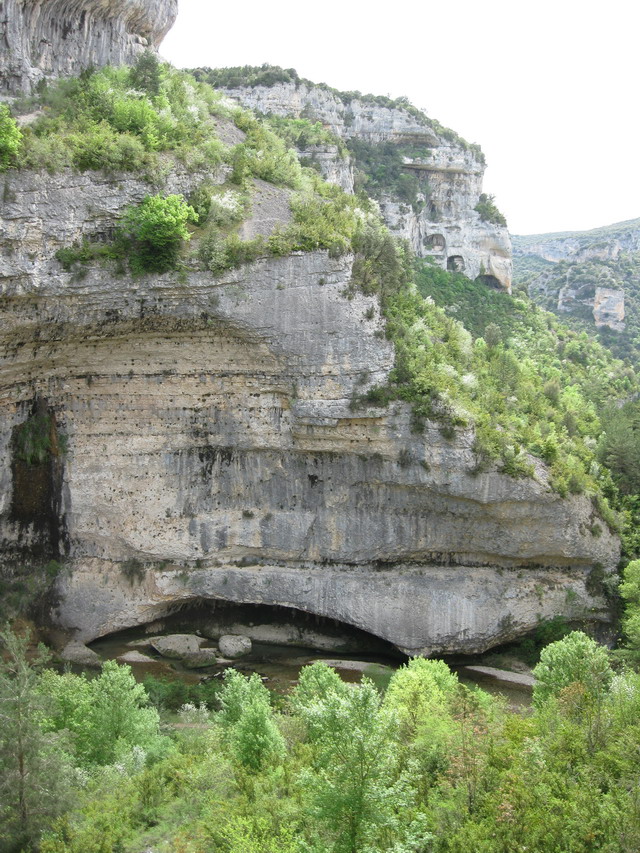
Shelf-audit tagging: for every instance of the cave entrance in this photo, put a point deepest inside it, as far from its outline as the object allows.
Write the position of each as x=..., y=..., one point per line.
x=268, y=627
x=455, y=263
x=37, y=453
x=489, y=281
x=435, y=243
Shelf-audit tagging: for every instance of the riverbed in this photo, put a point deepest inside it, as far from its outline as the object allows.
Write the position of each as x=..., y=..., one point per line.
x=279, y=667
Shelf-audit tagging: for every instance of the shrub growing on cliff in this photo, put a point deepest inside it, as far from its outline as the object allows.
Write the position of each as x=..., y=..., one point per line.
x=10, y=139
x=630, y=592
x=154, y=231
x=488, y=211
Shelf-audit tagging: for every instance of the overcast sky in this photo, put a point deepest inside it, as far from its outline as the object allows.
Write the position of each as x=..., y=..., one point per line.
x=548, y=89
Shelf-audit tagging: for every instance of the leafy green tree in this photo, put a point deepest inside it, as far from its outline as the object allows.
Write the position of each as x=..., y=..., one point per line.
x=10, y=139
x=420, y=691
x=146, y=74
x=238, y=692
x=630, y=592
x=154, y=231
x=351, y=785
x=107, y=716
x=575, y=658
x=34, y=767
x=256, y=738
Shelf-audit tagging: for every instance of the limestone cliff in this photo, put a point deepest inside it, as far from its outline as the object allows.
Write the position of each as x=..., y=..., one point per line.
x=187, y=438
x=446, y=226
x=42, y=38
x=208, y=435
x=586, y=274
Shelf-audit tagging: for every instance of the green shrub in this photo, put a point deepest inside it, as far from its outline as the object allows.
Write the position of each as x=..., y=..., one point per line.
x=488, y=211
x=154, y=231
x=10, y=139
x=146, y=74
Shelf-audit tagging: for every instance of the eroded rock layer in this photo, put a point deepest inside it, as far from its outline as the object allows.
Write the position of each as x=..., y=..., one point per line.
x=447, y=228
x=43, y=38
x=206, y=448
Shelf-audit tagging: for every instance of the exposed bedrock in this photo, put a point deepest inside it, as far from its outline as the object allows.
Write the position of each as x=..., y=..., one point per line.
x=447, y=228
x=420, y=609
x=43, y=38
x=206, y=448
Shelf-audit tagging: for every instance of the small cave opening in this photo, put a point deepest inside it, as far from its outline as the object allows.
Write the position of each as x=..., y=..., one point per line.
x=37, y=467
x=434, y=243
x=455, y=263
x=489, y=281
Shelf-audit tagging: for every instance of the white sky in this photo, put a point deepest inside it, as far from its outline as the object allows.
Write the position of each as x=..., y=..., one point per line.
x=548, y=89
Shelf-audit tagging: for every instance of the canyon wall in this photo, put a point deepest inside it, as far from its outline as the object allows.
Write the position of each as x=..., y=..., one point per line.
x=446, y=228
x=50, y=38
x=207, y=438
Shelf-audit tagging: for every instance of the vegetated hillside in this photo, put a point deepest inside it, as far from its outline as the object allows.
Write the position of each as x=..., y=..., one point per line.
x=563, y=271
x=426, y=178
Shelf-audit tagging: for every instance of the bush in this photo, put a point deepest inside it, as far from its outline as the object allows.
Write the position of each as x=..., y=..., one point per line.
x=575, y=658
x=10, y=139
x=154, y=231
x=146, y=73
x=488, y=211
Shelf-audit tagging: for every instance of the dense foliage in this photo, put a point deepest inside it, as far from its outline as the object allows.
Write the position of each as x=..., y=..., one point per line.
x=154, y=231
x=120, y=119
x=10, y=138
x=468, y=354
x=431, y=766
x=380, y=172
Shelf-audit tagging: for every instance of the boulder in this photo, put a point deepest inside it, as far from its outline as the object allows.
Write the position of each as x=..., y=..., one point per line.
x=177, y=645
x=234, y=645
x=134, y=657
x=78, y=653
x=205, y=657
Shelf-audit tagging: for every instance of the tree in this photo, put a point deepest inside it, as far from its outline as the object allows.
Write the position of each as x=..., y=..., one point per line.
x=34, y=767
x=351, y=786
x=574, y=659
x=630, y=591
x=154, y=231
x=10, y=139
x=146, y=74
x=257, y=740
x=107, y=716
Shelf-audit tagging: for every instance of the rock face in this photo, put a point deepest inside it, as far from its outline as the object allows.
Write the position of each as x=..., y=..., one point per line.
x=447, y=228
x=608, y=308
x=607, y=243
x=44, y=38
x=211, y=446
x=584, y=272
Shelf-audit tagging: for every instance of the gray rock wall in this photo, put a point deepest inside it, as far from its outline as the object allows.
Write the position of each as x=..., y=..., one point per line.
x=50, y=38
x=448, y=229
x=210, y=437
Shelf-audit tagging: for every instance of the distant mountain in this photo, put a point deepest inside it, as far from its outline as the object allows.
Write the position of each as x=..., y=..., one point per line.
x=590, y=278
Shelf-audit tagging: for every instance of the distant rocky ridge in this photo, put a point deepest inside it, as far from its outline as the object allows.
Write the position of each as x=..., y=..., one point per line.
x=590, y=275
x=447, y=227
